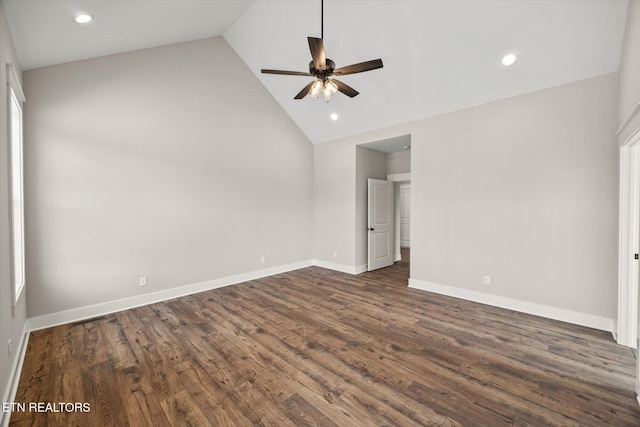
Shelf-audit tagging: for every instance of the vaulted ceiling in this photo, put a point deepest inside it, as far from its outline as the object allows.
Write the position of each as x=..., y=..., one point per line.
x=439, y=56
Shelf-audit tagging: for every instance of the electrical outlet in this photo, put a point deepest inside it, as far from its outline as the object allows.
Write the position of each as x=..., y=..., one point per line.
x=486, y=280
x=263, y=259
x=9, y=348
x=335, y=254
x=143, y=281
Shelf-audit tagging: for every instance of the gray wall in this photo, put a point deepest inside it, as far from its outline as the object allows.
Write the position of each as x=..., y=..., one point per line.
x=369, y=164
x=172, y=163
x=629, y=83
x=10, y=326
x=334, y=194
x=523, y=189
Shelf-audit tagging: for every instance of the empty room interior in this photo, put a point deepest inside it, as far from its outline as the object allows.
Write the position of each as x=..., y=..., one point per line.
x=322, y=212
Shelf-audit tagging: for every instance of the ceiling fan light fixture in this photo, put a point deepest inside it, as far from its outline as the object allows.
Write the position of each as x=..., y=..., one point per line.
x=329, y=89
x=322, y=68
x=316, y=88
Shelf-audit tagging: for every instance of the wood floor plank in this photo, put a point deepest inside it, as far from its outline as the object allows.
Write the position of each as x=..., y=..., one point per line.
x=67, y=387
x=119, y=350
x=255, y=406
x=92, y=349
x=141, y=408
x=182, y=411
x=302, y=413
x=210, y=357
x=35, y=378
x=103, y=392
x=322, y=348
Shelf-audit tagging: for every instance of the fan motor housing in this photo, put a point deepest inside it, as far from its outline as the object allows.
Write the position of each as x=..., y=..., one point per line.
x=330, y=66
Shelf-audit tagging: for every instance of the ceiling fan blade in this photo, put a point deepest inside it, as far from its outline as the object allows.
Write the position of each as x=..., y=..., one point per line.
x=358, y=68
x=304, y=91
x=346, y=89
x=286, y=73
x=317, y=53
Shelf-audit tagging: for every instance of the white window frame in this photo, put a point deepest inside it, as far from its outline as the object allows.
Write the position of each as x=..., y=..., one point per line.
x=15, y=99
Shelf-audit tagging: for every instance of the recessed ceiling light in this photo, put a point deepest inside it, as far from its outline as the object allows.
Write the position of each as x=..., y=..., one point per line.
x=509, y=59
x=334, y=116
x=83, y=18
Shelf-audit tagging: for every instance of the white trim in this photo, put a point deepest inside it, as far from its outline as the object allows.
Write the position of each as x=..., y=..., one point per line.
x=398, y=258
x=342, y=268
x=637, y=370
x=349, y=269
x=88, y=312
x=623, y=248
x=361, y=268
x=16, y=182
x=14, y=374
x=398, y=177
x=14, y=82
x=629, y=231
x=549, y=312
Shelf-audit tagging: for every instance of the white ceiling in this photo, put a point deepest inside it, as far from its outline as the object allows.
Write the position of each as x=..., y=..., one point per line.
x=44, y=33
x=439, y=56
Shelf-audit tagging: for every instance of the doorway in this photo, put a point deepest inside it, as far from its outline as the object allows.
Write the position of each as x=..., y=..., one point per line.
x=396, y=155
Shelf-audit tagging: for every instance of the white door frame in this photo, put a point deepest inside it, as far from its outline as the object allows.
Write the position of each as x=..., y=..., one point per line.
x=629, y=241
x=404, y=187
x=398, y=179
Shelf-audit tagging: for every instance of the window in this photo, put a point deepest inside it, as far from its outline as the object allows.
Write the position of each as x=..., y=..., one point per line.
x=16, y=209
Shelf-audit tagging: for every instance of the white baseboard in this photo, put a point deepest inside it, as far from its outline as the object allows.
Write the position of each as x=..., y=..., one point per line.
x=14, y=375
x=343, y=268
x=101, y=309
x=361, y=268
x=555, y=313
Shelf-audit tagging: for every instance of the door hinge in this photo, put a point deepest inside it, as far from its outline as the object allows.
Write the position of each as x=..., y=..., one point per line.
x=635, y=256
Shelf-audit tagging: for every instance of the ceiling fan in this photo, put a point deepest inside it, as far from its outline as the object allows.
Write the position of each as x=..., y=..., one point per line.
x=322, y=68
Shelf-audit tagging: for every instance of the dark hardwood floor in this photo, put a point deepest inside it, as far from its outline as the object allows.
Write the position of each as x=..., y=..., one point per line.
x=321, y=348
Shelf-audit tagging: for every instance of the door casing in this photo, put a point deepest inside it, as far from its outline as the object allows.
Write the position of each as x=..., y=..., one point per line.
x=629, y=242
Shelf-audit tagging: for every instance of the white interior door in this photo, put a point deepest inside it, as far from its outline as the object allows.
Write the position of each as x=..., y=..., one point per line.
x=380, y=224
x=405, y=215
